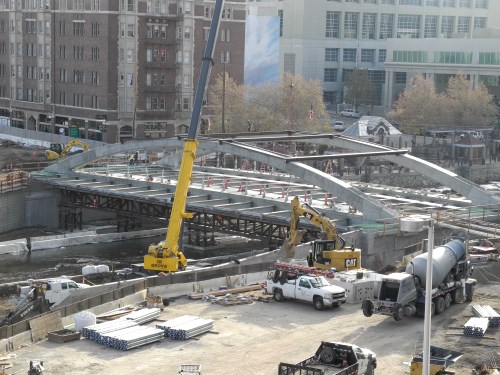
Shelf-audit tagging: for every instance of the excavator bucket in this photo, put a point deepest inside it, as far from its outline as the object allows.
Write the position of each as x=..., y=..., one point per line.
x=290, y=243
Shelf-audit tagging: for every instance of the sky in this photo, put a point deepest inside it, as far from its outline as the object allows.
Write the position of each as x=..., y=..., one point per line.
x=261, y=49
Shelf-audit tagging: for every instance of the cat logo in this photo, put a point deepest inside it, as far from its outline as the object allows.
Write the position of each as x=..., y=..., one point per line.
x=351, y=263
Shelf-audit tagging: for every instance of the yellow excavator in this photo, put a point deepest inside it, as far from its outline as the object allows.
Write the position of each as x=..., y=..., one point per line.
x=58, y=150
x=328, y=253
x=166, y=255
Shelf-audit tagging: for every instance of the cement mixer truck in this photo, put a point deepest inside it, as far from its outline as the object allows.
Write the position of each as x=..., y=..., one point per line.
x=403, y=293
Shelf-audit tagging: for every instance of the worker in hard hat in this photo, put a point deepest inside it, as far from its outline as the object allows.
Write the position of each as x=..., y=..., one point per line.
x=310, y=258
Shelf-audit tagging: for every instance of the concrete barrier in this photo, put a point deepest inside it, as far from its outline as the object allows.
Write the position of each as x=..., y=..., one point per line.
x=14, y=246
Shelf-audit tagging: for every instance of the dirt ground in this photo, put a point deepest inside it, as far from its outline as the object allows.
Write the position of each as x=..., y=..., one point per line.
x=13, y=153
x=254, y=338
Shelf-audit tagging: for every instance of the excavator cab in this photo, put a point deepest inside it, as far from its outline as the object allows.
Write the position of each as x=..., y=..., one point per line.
x=56, y=147
x=327, y=256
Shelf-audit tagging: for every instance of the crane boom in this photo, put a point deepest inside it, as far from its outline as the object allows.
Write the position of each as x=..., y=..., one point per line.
x=166, y=255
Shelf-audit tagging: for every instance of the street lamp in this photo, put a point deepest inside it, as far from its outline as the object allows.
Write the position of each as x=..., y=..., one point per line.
x=417, y=224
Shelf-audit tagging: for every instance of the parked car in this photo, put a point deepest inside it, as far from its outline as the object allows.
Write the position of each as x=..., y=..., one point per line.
x=339, y=126
x=350, y=113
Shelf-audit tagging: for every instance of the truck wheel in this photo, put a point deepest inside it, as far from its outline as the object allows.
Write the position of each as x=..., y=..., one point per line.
x=398, y=314
x=327, y=355
x=367, y=306
x=370, y=370
x=447, y=300
x=469, y=293
x=440, y=307
x=278, y=295
x=318, y=303
x=458, y=295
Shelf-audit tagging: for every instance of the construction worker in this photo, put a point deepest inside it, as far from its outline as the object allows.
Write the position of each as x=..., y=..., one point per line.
x=131, y=159
x=136, y=157
x=310, y=258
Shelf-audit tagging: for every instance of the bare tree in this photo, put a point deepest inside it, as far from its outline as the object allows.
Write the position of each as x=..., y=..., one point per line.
x=292, y=103
x=469, y=108
x=358, y=91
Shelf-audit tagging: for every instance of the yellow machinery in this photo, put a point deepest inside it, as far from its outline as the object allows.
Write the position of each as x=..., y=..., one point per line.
x=328, y=253
x=440, y=359
x=166, y=255
x=58, y=151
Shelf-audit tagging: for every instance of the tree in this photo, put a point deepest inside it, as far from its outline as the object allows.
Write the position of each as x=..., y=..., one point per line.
x=459, y=106
x=359, y=88
x=273, y=106
x=469, y=107
x=418, y=105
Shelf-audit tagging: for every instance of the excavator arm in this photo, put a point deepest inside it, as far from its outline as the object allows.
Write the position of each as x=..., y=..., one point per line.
x=57, y=152
x=295, y=235
x=74, y=143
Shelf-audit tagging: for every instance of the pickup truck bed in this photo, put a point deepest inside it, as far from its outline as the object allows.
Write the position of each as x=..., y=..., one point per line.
x=312, y=367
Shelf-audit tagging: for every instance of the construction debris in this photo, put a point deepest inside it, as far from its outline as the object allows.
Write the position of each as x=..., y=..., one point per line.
x=229, y=299
x=225, y=291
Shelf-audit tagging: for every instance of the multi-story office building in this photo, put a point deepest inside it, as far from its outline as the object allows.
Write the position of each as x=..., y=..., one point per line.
x=114, y=69
x=327, y=39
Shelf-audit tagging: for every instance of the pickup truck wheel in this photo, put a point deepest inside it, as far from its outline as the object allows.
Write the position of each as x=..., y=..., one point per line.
x=440, y=307
x=318, y=303
x=278, y=295
x=370, y=370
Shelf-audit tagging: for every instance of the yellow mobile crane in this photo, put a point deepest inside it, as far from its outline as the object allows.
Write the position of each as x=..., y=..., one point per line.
x=329, y=252
x=166, y=255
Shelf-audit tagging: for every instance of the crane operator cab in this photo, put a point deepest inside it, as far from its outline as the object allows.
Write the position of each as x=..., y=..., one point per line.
x=327, y=257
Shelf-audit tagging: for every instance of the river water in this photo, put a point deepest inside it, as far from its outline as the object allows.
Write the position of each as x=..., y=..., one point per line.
x=69, y=261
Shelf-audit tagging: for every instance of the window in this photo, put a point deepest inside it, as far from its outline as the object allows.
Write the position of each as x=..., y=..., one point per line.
x=489, y=58
x=369, y=21
x=330, y=75
x=226, y=13
x=149, y=55
x=409, y=56
x=449, y=3
x=479, y=22
x=130, y=79
x=78, y=100
x=387, y=2
x=148, y=103
x=463, y=25
x=225, y=35
x=464, y=3
x=163, y=32
x=96, y=79
x=332, y=24
x=382, y=53
x=331, y=54
x=447, y=26
x=280, y=14
x=95, y=101
x=225, y=57
x=329, y=97
x=62, y=51
x=432, y=3
x=95, y=29
x=130, y=31
x=386, y=26
x=367, y=55
x=78, y=28
x=131, y=55
x=349, y=54
x=95, y=53
x=408, y=26
x=410, y=2
x=345, y=74
x=149, y=78
x=78, y=52
x=351, y=25
x=400, y=78
x=430, y=28
x=187, y=32
x=78, y=76
x=481, y=4
x=185, y=103
x=63, y=77
x=452, y=57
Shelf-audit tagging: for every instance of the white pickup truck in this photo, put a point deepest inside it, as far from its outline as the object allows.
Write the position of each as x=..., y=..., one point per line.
x=307, y=288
